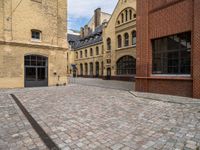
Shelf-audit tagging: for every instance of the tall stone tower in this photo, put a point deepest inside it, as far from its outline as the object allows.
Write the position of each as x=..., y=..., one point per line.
x=33, y=43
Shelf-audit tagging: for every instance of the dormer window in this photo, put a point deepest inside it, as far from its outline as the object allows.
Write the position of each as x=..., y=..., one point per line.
x=36, y=35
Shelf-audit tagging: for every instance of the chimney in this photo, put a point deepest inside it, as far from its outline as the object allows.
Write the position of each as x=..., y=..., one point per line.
x=97, y=17
x=82, y=32
x=86, y=31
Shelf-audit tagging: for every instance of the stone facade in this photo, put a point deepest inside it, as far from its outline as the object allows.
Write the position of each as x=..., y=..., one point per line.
x=158, y=18
x=19, y=20
x=118, y=27
x=104, y=64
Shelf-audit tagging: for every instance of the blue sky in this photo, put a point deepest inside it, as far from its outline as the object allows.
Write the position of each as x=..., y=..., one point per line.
x=80, y=11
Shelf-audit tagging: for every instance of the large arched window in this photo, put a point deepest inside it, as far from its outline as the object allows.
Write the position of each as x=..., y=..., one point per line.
x=126, y=39
x=134, y=38
x=108, y=44
x=126, y=65
x=119, y=41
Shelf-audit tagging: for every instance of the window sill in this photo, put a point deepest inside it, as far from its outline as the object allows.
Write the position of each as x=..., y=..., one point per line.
x=36, y=40
x=167, y=77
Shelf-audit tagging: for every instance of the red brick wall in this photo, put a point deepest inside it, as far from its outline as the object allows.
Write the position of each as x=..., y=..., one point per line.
x=171, y=20
x=158, y=18
x=196, y=50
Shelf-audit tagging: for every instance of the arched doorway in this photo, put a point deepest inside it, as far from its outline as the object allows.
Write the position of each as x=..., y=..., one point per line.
x=36, y=71
x=97, y=69
x=108, y=77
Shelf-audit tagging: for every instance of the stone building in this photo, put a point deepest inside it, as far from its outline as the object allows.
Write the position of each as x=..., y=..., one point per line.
x=168, y=48
x=87, y=48
x=119, y=40
x=33, y=48
x=108, y=50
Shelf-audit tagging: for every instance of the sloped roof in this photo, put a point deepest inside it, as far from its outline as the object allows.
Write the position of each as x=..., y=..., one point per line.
x=92, y=38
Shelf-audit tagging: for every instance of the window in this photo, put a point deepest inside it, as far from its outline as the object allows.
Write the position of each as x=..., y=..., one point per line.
x=97, y=50
x=134, y=15
x=172, y=54
x=91, y=52
x=122, y=15
x=86, y=69
x=119, y=39
x=81, y=54
x=36, y=34
x=126, y=66
x=76, y=55
x=126, y=39
x=108, y=44
x=126, y=13
x=81, y=69
x=130, y=14
x=91, y=69
x=134, y=38
x=86, y=53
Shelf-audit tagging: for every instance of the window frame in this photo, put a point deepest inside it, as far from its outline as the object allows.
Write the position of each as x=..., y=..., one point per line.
x=175, y=56
x=35, y=38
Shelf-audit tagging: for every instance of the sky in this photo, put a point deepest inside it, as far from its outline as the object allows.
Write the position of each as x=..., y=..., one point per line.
x=81, y=11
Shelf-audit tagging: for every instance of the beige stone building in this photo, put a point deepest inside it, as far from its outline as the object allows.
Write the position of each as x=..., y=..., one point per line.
x=119, y=40
x=109, y=51
x=33, y=48
x=86, y=53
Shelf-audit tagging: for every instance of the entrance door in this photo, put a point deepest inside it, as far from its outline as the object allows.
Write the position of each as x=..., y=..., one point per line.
x=36, y=71
x=108, y=73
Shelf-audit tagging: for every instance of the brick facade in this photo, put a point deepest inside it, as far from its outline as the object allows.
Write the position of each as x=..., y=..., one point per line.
x=159, y=18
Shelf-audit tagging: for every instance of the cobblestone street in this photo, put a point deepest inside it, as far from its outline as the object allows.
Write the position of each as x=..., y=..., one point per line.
x=87, y=117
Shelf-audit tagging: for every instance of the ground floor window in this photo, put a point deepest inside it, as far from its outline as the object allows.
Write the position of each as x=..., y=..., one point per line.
x=126, y=66
x=172, y=54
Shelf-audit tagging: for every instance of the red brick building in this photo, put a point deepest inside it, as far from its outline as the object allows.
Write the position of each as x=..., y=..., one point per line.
x=168, y=47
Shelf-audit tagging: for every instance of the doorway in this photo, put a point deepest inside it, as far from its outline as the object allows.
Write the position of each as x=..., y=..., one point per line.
x=36, y=71
x=108, y=74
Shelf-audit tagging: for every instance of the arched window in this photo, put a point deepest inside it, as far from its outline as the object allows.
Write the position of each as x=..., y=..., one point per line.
x=91, y=52
x=122, y=17
x=97, y=50
x=130, y=14
x=81, y=69
x=91, y=69
x=126, y=14
x=126, y=66
x=134, y=38
x=86, y=69
x=76, y=55
x=108, y=44
x=126, y=39
x=86, y=53
x=97, y=69
x=119, y=40
x=81, y=54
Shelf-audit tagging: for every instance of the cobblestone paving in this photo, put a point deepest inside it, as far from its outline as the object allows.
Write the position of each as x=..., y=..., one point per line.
x=86, y=118
x=121, y=85
x=15, y=131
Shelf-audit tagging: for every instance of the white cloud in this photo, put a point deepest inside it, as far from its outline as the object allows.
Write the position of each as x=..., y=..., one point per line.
x=82, y=10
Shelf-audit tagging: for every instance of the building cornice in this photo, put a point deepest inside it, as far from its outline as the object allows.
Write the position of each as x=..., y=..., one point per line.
x=44, y=46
